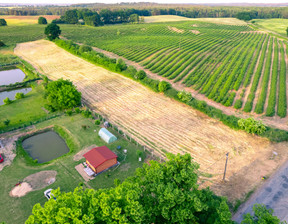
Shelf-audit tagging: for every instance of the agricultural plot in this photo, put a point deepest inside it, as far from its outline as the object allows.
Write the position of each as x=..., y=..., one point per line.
x=230, y=63
x=160, y=123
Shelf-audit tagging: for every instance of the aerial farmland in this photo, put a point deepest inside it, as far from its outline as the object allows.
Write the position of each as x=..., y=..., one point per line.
x=181, y=109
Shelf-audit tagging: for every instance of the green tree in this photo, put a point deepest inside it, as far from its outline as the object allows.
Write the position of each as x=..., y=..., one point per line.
x=287, y=31
x=85, y=48
x=93, y=20
x=250, y=125
x=121, y=64
x=134, y=18
x=62, y=94
x=262, y=215
x=42, y=20
x=3, y=22
x=19, y=96
x=71, y=16
x=163, y=86
x=7, y=101
x=140, y=75
x=52, y=31
x=158, y=193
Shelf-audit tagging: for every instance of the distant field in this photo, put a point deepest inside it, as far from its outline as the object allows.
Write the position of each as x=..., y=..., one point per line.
x=26, y=20
x=165, y=18
x=172, y=18
x=231, y=64
x=276, y=25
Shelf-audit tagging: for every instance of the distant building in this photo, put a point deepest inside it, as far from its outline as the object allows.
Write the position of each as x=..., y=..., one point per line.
x=107, y=136
x=100, y=158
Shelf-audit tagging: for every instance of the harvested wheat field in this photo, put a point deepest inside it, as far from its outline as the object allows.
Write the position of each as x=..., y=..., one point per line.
x=162, y=123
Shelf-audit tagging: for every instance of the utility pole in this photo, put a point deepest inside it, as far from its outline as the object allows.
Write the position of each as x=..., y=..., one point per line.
x=227, y=154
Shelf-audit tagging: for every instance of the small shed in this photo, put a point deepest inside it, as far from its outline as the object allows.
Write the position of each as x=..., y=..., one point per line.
x=100, y=158
x=107, y=136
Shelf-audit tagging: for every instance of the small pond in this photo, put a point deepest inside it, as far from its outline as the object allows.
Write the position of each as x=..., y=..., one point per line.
x=11, y=76
x=45, y=146
x=11, y=94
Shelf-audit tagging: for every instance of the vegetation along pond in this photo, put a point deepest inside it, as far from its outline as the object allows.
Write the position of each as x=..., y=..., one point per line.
x=11, y=94
x=45, y=146
x=12, y=76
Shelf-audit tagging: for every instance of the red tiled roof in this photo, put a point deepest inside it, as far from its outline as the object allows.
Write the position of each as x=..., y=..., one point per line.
x=99, y=155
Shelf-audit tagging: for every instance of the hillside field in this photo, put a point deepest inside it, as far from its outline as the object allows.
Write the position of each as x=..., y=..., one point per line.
x=233, y=65
x=276, y=25
x=160, y=123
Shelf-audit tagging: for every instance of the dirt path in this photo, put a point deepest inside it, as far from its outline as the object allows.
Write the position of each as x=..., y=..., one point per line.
x=162, y=122
x=273, y=193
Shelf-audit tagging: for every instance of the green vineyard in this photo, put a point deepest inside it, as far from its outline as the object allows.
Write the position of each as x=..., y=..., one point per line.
x=234, y=65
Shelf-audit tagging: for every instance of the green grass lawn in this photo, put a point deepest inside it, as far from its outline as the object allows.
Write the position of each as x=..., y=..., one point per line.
x=17, y=210
x=276, y=25
x=23, y=111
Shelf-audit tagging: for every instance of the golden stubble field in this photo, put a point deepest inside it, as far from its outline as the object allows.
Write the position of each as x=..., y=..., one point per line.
x=162, y=123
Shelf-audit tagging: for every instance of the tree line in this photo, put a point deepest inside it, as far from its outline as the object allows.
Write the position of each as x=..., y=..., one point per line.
x=124, y=10
x=105, y=16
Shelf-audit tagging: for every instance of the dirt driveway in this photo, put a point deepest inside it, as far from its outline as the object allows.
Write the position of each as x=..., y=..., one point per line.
x=273, y=193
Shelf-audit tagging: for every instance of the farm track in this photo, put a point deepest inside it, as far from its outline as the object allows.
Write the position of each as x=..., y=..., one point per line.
x=168, y=125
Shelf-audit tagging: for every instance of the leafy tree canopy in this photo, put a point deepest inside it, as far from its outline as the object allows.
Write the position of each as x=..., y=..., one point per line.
x=71, y=16
x=2, y=43
x=158, y=193
x=52, y=31
x=42, y=20
x=62, y=94
x=262, y=215
x=3, y=22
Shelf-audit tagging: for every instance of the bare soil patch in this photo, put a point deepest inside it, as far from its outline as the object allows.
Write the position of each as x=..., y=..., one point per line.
x=21, y=190
x=194, y=31
x=160, y=122
x=34, y=182
x=174, y=29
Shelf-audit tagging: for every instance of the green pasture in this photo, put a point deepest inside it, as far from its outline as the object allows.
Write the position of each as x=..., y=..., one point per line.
x=275, y=25
x=16, y=210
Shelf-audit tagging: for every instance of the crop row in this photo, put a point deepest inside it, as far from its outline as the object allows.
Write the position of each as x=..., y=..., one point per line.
x=249, y=103
x=270, y=111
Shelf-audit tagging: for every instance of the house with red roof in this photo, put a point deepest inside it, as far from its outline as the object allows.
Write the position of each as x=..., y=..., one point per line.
x=100, y=158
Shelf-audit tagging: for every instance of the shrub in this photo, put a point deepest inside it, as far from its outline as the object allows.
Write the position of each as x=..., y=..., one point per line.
x=69, y=112
x=184, y=96
x=7, y=101
x=77, y=110
x=140, y=75
x=42, y=20
x=19, y=96
x=86, y=113
x=163, y=86
x=121, y=64
x=84, y=48
x=238, y=104
x=2, y=43
x=131, y=71
x=50, y=108
x=97, y=122
x=250, y=125
x=139, y=153
x=6, y=122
